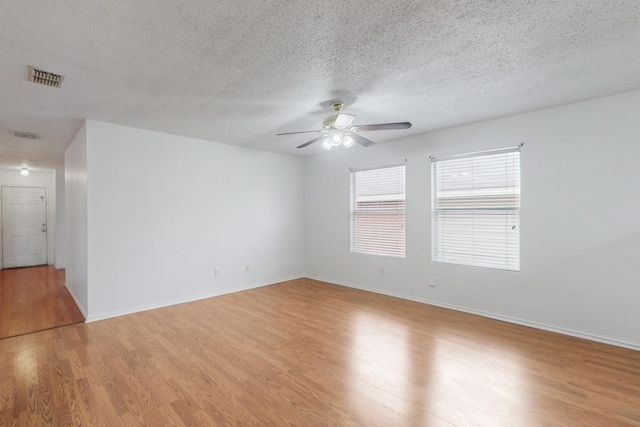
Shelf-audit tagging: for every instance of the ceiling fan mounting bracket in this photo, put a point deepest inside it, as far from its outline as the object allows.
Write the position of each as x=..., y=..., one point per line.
x=337, y=106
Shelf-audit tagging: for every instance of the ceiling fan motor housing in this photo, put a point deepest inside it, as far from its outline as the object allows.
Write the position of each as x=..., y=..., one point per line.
x=329, y=122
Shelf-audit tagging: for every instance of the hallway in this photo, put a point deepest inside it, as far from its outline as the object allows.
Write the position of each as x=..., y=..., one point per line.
x=34, y=299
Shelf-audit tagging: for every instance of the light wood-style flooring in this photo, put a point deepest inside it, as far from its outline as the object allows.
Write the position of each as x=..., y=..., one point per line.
x=307, y=353
x=33, y=299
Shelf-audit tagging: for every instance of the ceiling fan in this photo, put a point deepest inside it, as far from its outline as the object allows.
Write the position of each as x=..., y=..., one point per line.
x=339, y=130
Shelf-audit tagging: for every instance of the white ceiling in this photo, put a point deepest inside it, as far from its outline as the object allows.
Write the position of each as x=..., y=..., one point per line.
x=238, y=72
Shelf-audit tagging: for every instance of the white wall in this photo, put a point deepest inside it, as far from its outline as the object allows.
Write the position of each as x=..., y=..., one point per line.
x=580, y=237
x=165, y=211
x=75, y=160
x=60, y=250
x=12, y=178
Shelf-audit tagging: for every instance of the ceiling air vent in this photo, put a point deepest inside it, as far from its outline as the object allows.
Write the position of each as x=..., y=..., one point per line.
x=27, y=135
x=44, y=77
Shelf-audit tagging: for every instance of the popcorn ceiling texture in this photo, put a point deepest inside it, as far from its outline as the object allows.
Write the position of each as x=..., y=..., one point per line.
x=238, y=72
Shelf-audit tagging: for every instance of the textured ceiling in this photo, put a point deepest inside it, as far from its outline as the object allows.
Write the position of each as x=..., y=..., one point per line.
x=239, y=72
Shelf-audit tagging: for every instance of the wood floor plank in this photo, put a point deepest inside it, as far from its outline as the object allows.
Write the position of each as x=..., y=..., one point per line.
x=34, y=299
x=309, y=353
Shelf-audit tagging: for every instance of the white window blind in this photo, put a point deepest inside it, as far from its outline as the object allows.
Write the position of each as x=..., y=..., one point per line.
x=476, y=209
x=378, y=211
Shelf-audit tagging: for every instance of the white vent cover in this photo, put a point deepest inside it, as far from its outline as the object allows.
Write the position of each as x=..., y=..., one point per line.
x=27, y=135
x=44, y=77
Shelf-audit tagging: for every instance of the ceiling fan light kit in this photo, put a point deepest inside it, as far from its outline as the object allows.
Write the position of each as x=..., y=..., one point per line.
x=337, y=138
x=339, y=130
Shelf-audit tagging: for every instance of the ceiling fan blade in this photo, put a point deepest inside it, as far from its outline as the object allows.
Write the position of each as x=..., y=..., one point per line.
x=361, y=139
x=344, y=120
x=293, y=133
x=312, y=141
x=385, y=126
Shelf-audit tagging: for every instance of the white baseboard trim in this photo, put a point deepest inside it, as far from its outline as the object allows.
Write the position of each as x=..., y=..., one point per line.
x=82, y=310
x=507, y=319
x=184, y=300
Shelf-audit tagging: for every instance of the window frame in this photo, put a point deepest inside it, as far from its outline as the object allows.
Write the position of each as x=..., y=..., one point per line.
x=389, y=250
x=487, y=214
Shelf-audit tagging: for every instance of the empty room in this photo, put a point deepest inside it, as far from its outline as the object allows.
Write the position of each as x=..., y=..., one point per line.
x=274, y=213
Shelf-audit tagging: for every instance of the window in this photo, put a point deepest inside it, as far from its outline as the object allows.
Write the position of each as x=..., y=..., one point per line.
x=378, y=211
x=476, y=209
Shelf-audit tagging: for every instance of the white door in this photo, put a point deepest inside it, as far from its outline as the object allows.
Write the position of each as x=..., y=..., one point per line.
x=24, y=226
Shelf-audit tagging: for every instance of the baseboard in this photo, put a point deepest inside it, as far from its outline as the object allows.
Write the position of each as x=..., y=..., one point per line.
x=82, y=310
x=184, y=300
x=507, y=319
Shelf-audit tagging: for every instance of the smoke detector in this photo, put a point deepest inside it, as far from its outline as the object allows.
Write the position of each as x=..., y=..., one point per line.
x=43, y=77
x=26, y=135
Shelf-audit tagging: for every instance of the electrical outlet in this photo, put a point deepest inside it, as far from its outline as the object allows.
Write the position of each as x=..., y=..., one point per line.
x=216, y=272
x=431, y=281
x=381, y=271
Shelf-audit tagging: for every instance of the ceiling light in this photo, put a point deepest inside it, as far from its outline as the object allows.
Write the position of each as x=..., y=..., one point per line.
x=24, y=171
x=347, y=141
x=336, y=138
